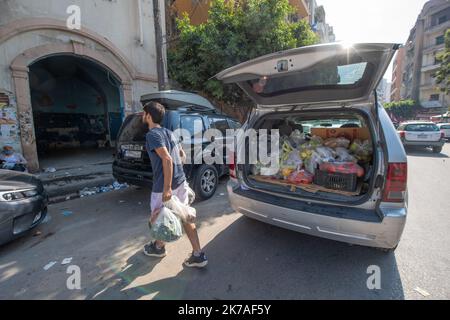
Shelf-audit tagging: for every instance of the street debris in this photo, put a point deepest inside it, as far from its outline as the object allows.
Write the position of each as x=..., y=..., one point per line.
x=422, y=292
x=222, y=194
x=67, y=213
x=66, y=261
x=49, y=265
x=86, y=192
x=50, y=170
x=37, y=233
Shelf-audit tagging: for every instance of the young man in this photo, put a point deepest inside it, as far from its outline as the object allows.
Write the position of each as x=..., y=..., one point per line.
x=168, y=179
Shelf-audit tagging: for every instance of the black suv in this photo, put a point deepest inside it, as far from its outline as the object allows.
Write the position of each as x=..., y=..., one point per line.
x=132, y=163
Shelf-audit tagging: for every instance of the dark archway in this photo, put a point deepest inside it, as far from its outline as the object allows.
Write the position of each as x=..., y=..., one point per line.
x=77, y=110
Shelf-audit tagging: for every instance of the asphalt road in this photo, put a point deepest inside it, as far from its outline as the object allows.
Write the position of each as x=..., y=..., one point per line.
x=104, y=236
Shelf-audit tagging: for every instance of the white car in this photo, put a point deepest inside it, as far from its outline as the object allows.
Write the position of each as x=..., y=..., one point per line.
x=422, y=134
x=445, y=128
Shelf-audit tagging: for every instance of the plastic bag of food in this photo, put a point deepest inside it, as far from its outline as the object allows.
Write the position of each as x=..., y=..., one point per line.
x=293, y=159
x=183, y=211
x=167, y=226
x=316, y=141
x=342, y=167
x=343, y=155
x=337, y=143
x=325, y=153
x=312, y=163
x=362, y=150
x=297, y=138
x=287, y=170
x=301, y=177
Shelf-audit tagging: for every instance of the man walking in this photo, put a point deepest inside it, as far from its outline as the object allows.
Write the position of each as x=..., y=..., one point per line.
x=168, y=179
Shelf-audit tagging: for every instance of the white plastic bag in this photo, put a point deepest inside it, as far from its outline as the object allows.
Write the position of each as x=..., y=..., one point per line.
x=343, y=155
x=167, y=226
x=185, y=212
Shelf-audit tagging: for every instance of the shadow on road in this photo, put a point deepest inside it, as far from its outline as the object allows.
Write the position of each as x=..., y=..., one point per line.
x=252, y=260
x=424, y=152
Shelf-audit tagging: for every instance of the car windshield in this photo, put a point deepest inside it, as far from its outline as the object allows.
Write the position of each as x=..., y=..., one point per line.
x=445, y=126
x=421, y=127
x=133, y=130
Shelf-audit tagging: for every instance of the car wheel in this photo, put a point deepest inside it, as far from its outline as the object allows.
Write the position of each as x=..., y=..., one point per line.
x=206, y=181
x=437, y=149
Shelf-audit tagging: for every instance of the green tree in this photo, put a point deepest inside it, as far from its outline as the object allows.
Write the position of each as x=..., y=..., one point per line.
x=232, y=34
x=403, y=109
x=443, y=74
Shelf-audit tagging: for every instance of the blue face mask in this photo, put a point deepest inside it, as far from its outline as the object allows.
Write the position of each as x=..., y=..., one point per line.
x=8, y=152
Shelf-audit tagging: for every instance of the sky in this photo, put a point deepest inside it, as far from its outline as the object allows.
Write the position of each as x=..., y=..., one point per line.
x=372, y=20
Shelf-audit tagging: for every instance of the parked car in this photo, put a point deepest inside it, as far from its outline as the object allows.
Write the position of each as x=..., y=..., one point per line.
x=421, y=134
x=445, y=128
x=329, y=81
x=23, y=204
x=132, y=163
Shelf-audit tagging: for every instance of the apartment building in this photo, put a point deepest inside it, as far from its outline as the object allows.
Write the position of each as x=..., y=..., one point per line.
x=68, y=85
x=397, y=75
x=425, y=42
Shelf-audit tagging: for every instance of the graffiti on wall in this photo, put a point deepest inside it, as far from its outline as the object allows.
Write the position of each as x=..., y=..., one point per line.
x=9, y=130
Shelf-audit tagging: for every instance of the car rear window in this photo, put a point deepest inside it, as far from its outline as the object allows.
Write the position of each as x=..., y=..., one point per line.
x=133, y=130
x=421, y=127
x=445, y=127
x=334, y=74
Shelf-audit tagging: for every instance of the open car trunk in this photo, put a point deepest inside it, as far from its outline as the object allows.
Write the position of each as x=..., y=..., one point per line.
x=323, y=155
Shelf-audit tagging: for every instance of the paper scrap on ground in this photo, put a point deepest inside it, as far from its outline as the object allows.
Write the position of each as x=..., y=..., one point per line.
x=67, y=213
x=422, y=292
x=66, y=261
x=49, y=265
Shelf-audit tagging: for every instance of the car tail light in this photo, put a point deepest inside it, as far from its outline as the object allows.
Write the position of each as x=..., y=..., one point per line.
x=395, y=188
x=402, y=134
x=232, y=164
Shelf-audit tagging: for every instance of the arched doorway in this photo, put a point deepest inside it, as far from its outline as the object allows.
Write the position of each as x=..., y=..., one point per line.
x=77, y=111
x=116, y=72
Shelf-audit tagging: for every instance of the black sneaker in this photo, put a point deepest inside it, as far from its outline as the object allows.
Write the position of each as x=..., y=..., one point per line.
x=152, y=251
x=196, y=262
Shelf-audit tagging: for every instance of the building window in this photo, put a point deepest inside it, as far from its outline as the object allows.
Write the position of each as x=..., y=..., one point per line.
x=434, y=97
x=440, y=40
x=442, y=19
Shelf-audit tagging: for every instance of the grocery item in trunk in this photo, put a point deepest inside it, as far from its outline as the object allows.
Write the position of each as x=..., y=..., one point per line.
x=342, y=167
x=362, y=150
x=343, y=155
x=301, y=177
x=337, y=142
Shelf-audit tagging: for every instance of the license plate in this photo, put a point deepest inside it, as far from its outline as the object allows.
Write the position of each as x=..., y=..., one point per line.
x=422, y=136
x=133, y=154
x=37, y=217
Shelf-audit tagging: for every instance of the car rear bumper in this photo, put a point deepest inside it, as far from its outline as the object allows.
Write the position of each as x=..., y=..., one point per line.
x=18, y=217
x=133, y=177
x=439, y=143
x=383, y=233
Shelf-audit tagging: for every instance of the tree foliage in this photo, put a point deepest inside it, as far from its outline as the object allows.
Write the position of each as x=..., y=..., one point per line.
x=443, y=74
x=403, y=109
x=232, y=34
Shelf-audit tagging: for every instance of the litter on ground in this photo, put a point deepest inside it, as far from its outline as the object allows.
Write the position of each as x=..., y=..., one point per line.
x=86, y=192
x=49, y=265
x=66, y=261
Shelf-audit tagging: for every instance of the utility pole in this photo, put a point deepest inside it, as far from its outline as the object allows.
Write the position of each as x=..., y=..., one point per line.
x=159, y=46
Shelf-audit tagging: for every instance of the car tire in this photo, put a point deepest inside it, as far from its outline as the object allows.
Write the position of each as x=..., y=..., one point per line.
x=206, y=181
x=437, y=149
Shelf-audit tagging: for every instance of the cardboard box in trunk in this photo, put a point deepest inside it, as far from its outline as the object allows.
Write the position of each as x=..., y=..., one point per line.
x=348, y=133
